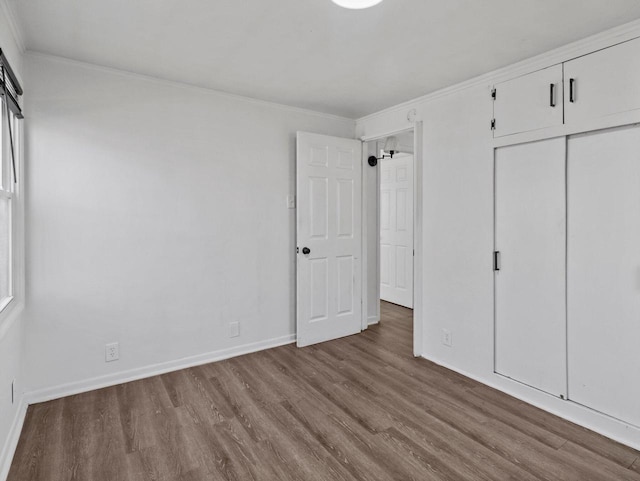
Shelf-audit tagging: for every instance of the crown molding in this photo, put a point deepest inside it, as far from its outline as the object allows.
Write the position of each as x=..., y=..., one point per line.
x=599, y=41
x=14, y=25
x=186, y=86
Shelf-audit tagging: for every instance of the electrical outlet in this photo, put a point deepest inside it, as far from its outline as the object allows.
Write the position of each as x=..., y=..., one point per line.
x=447, y=339
x=234, y=329
x=111, y=352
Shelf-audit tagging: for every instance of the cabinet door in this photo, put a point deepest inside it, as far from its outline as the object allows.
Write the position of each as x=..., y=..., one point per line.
x=530, y=102
x=603, y=83
x=603, y=275
x=530, y=317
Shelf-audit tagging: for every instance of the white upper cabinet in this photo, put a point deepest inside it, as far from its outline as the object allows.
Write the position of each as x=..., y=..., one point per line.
x=530, y=102
x=594, y=86
x=603, y=83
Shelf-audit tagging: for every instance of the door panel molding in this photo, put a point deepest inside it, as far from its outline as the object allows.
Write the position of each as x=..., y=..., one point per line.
x=329, y=238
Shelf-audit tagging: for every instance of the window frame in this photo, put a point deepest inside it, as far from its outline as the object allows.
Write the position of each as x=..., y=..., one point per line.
x=8, y=190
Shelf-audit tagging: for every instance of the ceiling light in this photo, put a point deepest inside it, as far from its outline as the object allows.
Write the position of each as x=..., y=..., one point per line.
x=356, y=4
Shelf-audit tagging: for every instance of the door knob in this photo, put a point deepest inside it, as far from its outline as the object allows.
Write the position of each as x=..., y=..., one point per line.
x=306, y=250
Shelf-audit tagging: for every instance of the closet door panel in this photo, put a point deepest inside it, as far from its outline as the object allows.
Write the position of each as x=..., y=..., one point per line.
x=530, y=316
x=604, y=272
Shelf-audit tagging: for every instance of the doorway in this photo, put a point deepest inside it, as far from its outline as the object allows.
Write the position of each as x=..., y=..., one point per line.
x=396, y=229
x=338, y=289
x=390, y=213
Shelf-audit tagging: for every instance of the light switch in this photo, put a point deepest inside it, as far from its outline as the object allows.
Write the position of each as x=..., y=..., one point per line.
x=291, y=201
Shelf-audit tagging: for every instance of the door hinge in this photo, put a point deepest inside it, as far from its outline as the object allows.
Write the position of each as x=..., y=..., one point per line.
x=297, y=250
x=493, y=124
x=496, y=260
x=493, y=94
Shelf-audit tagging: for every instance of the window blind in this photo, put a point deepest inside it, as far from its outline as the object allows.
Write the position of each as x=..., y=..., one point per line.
x=10, y=88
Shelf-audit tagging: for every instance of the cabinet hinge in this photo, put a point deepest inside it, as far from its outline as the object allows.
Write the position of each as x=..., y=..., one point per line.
x=493, y=94
x=493, y=124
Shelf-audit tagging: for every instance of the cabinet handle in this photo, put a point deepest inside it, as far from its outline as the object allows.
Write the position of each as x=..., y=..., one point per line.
x=572, y=90
x=552, y=95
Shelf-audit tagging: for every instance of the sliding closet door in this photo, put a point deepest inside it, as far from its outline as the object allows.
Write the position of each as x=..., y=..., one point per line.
x=530, y=209
x=604, y=272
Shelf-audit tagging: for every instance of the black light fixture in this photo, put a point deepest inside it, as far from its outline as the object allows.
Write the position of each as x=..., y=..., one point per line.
x=391, y=145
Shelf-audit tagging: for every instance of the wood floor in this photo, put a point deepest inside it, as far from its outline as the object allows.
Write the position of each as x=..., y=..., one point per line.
x=359, y=408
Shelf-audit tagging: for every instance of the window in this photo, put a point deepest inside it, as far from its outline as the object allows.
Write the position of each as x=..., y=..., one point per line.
x=10, y=92
x=8, y=136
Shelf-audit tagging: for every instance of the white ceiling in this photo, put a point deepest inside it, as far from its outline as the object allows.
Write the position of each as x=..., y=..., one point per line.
x=312, y=53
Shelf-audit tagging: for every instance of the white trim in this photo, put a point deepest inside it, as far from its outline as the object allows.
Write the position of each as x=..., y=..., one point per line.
x=99, y=382
x=418, y=159
x=371, y=320
x=388, y=133
x=14, y=26
x=607, y=426
x=364, y=250
x=367, y=232
x=186, y=86
x=5, y=302
x=620, y=119
x=567, y=52
x=11, y=443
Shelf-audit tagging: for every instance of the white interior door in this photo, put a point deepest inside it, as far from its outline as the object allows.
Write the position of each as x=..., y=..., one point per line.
x=604, y=272
x=530, y=211
x=396, y=230
x=329, y=287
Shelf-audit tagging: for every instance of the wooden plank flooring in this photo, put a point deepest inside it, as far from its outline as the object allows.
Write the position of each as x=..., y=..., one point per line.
x=358, y=408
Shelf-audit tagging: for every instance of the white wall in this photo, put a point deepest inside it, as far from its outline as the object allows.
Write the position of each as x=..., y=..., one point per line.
x=457, y=226
x=10, y=46
x=11, y=319
x=458, y=230
x=156, y=215
x=457, y=202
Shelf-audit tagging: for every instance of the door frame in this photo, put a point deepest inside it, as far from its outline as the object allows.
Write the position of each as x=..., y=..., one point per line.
x=416, y=127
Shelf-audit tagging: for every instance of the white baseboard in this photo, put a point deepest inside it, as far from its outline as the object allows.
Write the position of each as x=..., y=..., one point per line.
x=375, y=319
x=55, y=392
x=609, y=427
x=6, y=455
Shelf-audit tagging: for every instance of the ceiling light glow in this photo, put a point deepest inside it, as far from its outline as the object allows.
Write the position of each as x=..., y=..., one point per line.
x=356, y=4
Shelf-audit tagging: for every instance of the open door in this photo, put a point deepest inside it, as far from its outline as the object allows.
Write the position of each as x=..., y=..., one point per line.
x=396, y=230
x=329, y=287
